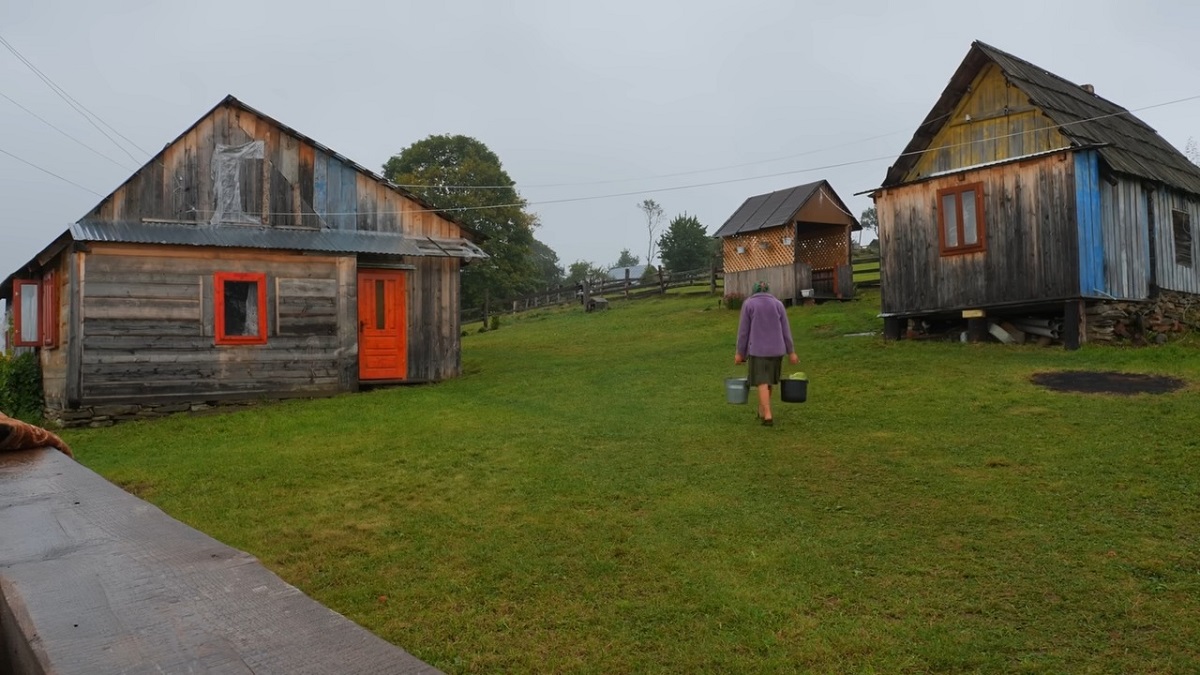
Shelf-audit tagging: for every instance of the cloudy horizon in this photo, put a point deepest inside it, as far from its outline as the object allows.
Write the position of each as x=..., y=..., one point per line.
x=591, y=109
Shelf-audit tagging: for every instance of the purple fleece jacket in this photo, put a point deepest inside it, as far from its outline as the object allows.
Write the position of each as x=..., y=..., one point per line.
x=764, y=329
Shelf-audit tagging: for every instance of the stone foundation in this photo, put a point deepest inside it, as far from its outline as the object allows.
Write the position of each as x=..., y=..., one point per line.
x=1154, y=321
x=108, y=415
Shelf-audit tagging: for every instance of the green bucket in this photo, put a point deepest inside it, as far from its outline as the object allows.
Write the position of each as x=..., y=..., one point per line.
x=737, y=390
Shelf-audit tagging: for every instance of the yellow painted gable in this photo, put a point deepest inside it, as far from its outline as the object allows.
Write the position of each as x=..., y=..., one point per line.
x=994, y=121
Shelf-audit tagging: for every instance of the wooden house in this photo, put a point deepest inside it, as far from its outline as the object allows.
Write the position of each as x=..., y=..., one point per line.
x=243, y=261
x=1023, y=194
x=797, y=240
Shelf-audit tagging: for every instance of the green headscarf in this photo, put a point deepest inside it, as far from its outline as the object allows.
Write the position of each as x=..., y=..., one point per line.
x=761, y=287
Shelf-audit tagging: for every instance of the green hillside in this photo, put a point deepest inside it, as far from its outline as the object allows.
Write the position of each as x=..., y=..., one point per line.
x=583, y=499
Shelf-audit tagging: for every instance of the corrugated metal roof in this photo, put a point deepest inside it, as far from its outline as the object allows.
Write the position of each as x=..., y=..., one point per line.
x=247, y=236
x=1127, y=144
x=769, y=210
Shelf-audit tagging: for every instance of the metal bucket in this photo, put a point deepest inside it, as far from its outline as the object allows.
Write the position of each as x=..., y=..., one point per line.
x=737, y=390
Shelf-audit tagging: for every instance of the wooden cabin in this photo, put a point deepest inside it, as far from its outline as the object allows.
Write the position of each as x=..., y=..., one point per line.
x=1023, y=194
x=244, y=261
x=797, y=240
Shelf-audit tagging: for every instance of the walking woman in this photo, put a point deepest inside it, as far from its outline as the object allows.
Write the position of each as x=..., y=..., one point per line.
x=764, y=338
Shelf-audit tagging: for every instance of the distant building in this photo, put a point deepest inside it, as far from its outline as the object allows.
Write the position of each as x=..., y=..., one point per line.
x=635, y=272
x=797, y=240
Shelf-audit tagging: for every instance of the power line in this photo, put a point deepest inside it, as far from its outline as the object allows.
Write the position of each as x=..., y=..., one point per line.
x=798, y=171
x=669, y=175
x=79, y=107
x=43, y=121
x=51, y=173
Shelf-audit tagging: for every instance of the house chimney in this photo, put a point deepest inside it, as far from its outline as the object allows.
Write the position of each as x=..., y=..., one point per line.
x=1088, y=88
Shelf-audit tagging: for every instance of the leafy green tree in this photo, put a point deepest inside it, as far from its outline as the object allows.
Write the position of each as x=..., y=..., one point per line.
x=627, y=259
x=437, y=168
x=550, y=273
x=685, y=245
x=581, y=269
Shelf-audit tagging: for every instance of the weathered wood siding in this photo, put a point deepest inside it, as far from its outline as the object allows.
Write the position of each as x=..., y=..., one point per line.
x=54, y=361
x=433, y=320
x=147, y=326
x=1169, y=274
x=1031, y=239
x=1123, y=220
x=296, y=183
x=1002, y=125
x=782, y=279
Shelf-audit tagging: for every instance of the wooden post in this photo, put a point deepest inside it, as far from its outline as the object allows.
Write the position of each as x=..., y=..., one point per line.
x=1072, y=323
x=712, y=279
x=662, y=286
x=977, y=329
x=486, y=306
x=586, y=293
x=893, y=328
x=626, y=283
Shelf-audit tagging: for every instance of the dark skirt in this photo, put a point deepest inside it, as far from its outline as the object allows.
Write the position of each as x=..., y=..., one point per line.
x=764, y=369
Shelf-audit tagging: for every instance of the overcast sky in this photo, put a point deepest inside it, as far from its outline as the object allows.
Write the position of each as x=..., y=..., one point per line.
x=610, y=97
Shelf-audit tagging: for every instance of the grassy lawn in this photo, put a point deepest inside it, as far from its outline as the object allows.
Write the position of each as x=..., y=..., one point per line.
x=584, y=500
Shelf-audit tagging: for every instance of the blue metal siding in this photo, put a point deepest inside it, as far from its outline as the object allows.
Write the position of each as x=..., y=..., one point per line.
x=320, y=185
x=1091, y=236
x=348, y=204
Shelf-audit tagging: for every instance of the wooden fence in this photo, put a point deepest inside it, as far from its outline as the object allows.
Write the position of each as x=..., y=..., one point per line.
x=709, y=280
x=866, y=272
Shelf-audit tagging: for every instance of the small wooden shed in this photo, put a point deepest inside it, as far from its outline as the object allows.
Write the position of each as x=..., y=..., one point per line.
x=244, y=261
x=1025, y=194
x=797, y=240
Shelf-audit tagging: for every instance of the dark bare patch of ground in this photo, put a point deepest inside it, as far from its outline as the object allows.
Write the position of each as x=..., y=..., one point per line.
x=1096, y=382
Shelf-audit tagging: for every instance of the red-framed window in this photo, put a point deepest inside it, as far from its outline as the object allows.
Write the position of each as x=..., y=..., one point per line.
x=26, y=302
x=960, y=219
x=240, y=304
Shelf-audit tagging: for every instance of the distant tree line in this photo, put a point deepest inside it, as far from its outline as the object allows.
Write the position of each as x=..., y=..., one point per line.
x=464, y=177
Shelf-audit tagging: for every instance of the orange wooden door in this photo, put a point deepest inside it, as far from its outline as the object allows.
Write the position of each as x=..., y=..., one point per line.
x=382, y=343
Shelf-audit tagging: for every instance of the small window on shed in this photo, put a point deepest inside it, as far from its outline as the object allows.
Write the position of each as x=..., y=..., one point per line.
x=240, y=304
x=1181, y=224
x=960, y=219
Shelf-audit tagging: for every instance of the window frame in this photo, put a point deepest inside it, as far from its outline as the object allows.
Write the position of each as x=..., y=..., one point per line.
x=1183, y=254
x=219, y=335
x=980, y=244
x=17, y=299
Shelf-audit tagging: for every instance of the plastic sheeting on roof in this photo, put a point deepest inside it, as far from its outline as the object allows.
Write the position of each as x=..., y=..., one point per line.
x=227, y=165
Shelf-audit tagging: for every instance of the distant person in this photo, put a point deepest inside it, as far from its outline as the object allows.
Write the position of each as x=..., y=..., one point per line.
x=764, y=337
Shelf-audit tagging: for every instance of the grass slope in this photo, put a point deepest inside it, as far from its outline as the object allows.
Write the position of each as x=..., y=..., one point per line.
x=583, y=500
